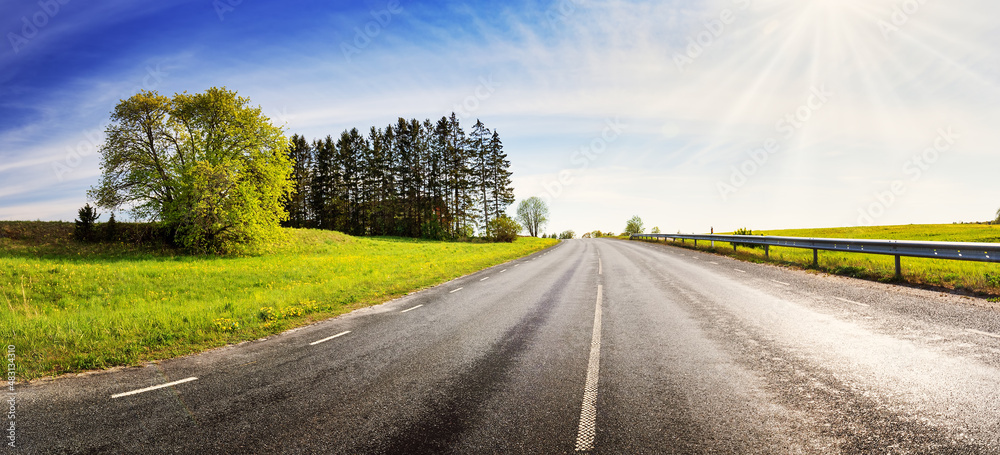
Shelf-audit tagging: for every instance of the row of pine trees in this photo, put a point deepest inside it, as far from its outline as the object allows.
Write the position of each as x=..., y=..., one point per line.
x=411, y=179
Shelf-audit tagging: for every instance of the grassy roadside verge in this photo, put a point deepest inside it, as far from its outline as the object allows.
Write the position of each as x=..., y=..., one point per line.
x=69, y=307
x=976, y=278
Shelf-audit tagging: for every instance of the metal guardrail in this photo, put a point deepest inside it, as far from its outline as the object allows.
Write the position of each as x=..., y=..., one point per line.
x=959, y=251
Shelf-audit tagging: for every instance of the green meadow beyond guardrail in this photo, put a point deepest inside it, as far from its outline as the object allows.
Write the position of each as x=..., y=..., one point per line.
x=958, y=251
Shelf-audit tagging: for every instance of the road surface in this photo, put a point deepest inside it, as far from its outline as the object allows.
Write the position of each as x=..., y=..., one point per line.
x=595, y=345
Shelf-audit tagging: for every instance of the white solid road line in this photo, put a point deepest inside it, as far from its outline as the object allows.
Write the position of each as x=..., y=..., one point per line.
x=588, y=412
x=741, y=271
x=314, y=343
x=411, y=309
x=851, y=301
x=484, y=279
x=980, y=332
x=147, y=389
x=781, y=282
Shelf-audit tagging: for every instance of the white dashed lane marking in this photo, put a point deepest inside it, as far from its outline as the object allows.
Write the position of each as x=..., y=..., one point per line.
x=155, y=387
x=455, y=290
x=741, y=271
x=980, y=332
x=781, y=282
x=484, y=279
x=504, y=270
x=411, y=309
x=710, y=262
x=314, y=343
x=851, y=301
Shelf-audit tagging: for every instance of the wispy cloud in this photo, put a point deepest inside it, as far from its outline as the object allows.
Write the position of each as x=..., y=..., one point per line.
x=700, y=84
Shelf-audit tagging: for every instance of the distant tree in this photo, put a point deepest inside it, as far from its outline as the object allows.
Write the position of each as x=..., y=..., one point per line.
x=110, y=233
x=533, y=213
x=634, y=226
x=84, y=224
x=655, y=230
x=210, y=166
x=568, y=234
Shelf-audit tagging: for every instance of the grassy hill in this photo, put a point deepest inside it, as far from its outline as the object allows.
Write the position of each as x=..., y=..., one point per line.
x=70, y=307
x=969, y=277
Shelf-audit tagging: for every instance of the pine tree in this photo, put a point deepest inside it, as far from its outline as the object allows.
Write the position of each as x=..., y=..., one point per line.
x=418, y=179
x=502, y=191
x=325, y=176
x=479, y=151
x=297, y=204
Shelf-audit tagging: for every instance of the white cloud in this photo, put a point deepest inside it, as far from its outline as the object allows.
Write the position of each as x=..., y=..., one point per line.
x=558, y=81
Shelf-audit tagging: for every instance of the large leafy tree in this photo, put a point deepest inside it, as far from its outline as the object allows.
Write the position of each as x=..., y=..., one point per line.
x=533, y=213
x=209, y=165
x=634, y=226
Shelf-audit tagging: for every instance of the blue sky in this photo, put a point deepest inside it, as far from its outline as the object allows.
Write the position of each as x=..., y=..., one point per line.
x=730, y=113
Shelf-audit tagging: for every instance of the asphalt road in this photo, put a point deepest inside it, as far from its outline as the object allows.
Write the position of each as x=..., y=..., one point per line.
x=602, y=345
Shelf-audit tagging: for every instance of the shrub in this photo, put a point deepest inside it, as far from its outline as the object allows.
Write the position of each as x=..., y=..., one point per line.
x=503, y=229
x=745, y=231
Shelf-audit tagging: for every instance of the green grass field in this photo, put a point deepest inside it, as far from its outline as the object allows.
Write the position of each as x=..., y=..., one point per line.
x=69, y=307
x=972, y=277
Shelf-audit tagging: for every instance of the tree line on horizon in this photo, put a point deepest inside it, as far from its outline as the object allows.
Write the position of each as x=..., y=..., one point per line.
x=413, y=178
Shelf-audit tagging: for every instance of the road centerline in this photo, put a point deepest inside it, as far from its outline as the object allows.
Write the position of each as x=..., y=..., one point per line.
x=484, y=279
x=980, y=332
x=455, y=290
x=411, y=309
x=314, y=343
x=851, y=301
x=155, y=387
x=588, y=411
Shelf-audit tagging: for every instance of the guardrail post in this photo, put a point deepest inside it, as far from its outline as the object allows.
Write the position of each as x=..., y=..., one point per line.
x=734, y=247
x=767, y=251
x=696, y=243
x=815, y=257
x=899, y=268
